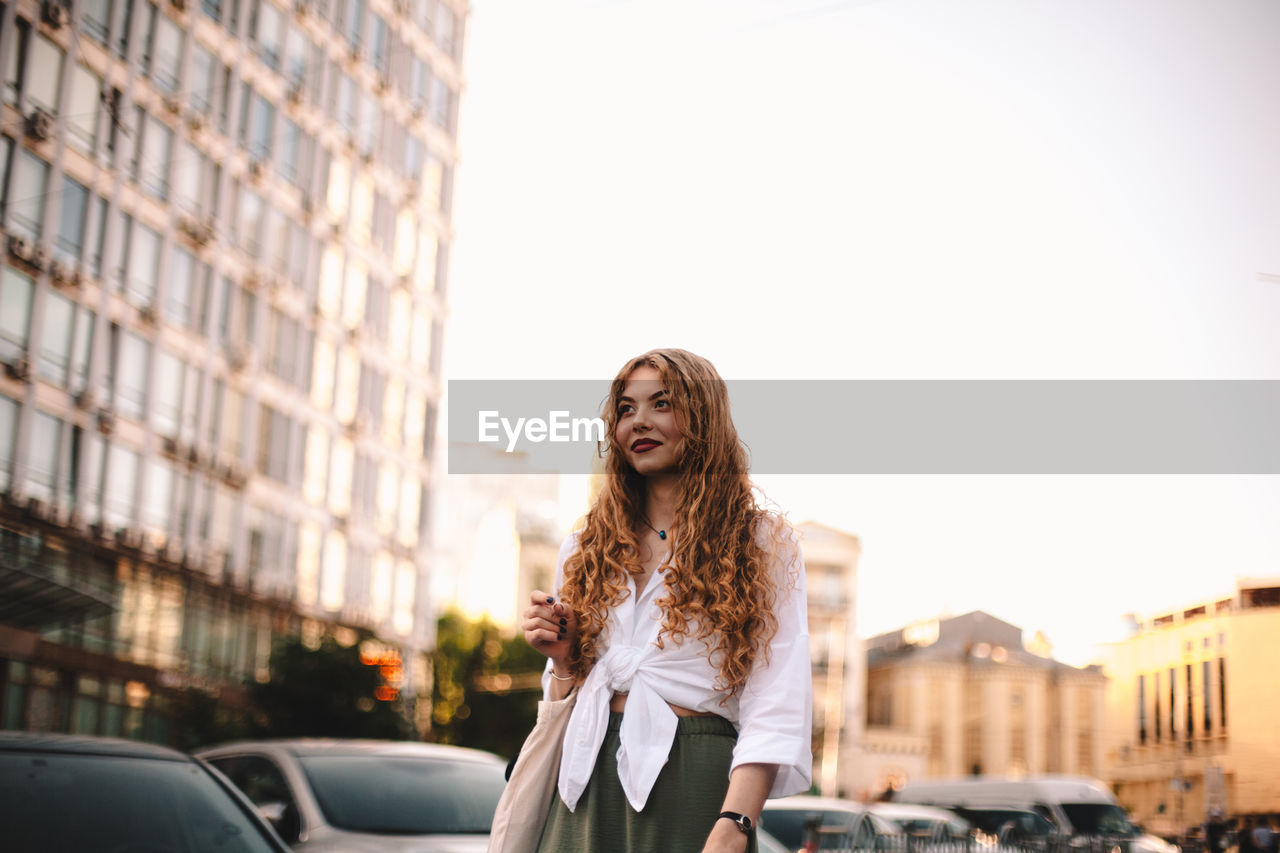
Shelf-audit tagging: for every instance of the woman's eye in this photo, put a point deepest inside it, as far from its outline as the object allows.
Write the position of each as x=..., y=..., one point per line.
x=624, y=409
x=662, y=404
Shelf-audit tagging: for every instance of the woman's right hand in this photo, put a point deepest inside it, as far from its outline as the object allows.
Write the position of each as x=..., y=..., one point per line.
x=551, y=628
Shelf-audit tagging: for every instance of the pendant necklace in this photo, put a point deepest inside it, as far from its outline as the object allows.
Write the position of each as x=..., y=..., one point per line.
x=662, y=534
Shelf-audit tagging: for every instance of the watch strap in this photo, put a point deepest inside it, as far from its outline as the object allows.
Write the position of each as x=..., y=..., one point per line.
x=739, y=820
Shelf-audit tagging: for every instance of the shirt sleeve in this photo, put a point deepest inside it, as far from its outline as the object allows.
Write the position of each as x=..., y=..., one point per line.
x=775, y=708
x=567, y=548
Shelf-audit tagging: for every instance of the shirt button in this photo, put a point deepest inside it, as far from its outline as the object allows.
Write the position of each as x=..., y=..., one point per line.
x=582, y=742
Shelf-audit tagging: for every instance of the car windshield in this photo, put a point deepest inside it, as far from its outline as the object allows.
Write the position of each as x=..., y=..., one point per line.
x=993, y=820
x=1098, y=819
x=788, y=825
x=59, y=801
x=404, y=795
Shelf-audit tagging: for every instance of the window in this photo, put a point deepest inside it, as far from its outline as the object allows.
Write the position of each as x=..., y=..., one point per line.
x=143, y=262
x=187, y=277
x=55, y=338
x=153, y=157
x=1156, y=691
x=81, y=350
x=44, y=75
x=1222, y=693
x=71, y=221
x=1173, y=705
x=379, y=52
x=261, y=126
x=100, y=211
x=166, y=407
x=352, y=22
x=15, y=313
x=17, y=61
x=282, y=343
x=83, y=104
x=446, y=29
x=1191, y=709
x=42, y=458
x=249, y=223
x=132, y=355
x=273, y=443
x=203, y=81
x=8, y=431
x=95, y=19
x=1142, y=709
x=120, y=487
x=27, y=190
x=369, y=123
x=293, y=160
x=165, y=53
x=296, y=51
x=267, y=28
x=441, y=103
x=1206, y=682
x=157, y=496
x=418, y=81
x=277, y=231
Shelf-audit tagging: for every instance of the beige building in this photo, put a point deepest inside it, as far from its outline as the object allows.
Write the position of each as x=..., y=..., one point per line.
x=224, y=266
x=839, y=672
x=1193, y=711
x=963, y=695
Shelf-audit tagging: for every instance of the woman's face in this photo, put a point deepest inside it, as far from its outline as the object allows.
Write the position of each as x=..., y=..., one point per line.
x=647, y=430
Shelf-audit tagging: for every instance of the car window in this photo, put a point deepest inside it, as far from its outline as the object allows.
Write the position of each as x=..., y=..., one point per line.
x=54, y=801
x=263, y=782
x=1098, y=819
x=788, y=825
x=405, y=795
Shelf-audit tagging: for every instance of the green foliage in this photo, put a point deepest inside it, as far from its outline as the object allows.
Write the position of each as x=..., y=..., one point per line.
x=203, y=719
x=471, y=705
x=324, y=692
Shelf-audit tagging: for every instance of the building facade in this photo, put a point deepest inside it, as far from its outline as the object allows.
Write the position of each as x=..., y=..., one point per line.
x=839, y=673
x=226, y=228
x=964, y=696
x=1193, y=705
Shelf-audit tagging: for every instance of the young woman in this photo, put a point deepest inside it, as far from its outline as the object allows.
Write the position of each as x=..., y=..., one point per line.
x=679, y=614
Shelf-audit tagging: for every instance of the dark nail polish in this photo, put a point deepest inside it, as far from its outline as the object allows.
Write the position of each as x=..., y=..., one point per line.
x=564, y=621
x=550, y=600
x=560, y=636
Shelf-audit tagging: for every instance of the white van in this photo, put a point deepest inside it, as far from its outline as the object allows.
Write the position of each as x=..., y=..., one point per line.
x=1076, y=805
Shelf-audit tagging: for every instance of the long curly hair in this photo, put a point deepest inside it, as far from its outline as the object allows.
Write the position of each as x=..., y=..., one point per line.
x=719, y=587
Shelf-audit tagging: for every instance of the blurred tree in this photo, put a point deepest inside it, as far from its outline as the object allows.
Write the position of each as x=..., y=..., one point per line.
x=486, y=687
x=204, y=719
x=323, y=692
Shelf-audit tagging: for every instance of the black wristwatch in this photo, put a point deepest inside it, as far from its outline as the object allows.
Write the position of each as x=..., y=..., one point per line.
x=739, y=820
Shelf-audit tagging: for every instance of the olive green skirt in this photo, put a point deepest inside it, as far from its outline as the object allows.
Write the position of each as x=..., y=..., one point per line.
x=682, y=807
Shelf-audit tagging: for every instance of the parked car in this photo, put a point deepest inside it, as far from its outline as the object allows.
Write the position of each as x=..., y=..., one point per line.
x=354, y=795
x=1077, y=806
x=89, y=794
x=840, y=822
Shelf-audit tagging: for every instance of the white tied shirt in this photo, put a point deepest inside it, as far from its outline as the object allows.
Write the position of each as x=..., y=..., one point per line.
x=773, y=712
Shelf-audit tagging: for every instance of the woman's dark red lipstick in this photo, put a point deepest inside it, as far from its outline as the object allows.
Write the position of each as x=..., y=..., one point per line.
x=644, y=444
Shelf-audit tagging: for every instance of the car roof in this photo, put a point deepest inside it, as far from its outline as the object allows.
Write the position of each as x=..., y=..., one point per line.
x=807, y=801
x=891, y=810
x=353, y=747
x=11, y=741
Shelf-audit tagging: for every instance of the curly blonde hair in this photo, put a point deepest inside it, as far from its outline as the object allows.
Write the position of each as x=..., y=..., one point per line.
x=720, y=588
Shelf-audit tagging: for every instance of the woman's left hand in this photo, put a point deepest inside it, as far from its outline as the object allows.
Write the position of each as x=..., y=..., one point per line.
x=725, y=838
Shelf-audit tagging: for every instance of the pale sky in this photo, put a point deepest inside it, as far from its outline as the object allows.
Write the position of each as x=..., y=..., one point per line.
x=899, y=189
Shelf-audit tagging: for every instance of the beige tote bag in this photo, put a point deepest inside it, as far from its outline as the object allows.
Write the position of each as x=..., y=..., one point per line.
x=525, y=802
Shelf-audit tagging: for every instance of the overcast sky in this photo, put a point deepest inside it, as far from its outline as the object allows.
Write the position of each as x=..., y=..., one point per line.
x=899, y=189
